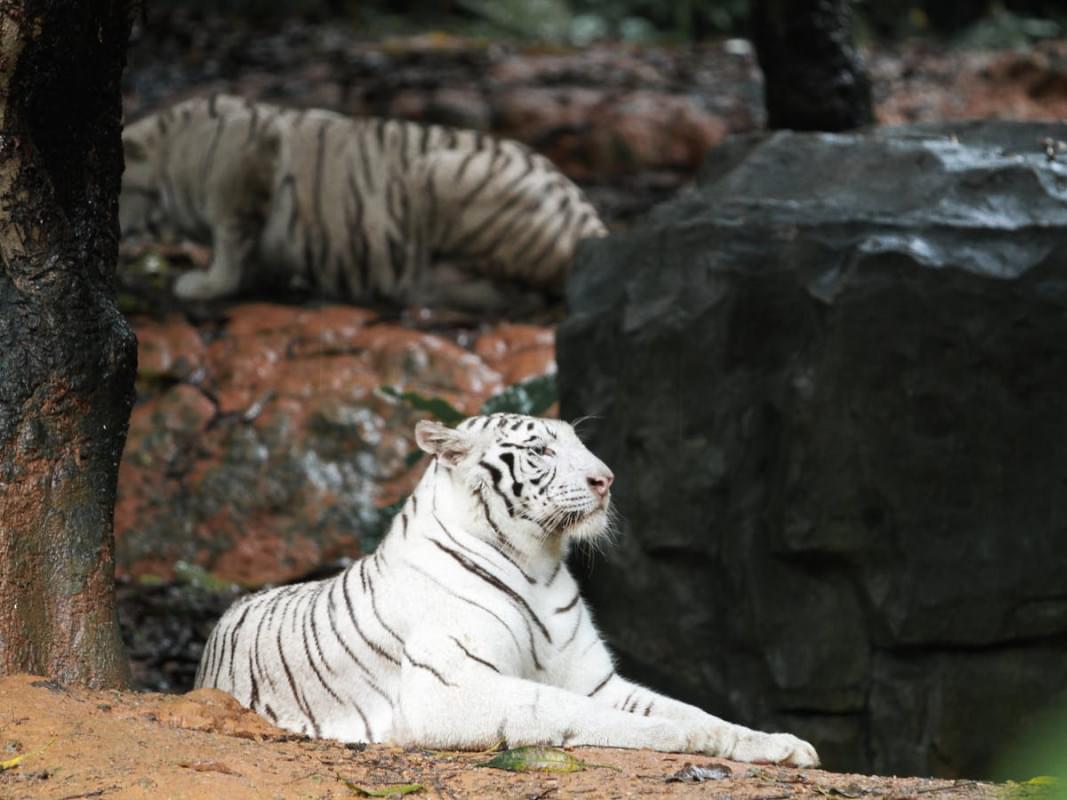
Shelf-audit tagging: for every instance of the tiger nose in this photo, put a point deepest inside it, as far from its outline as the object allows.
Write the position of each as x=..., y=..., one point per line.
x=601, y=483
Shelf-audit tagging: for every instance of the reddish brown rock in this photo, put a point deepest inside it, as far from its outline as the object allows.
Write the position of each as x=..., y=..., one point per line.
x=597, y=133
x=518, y=352
x=167, y=348
x=270, y=450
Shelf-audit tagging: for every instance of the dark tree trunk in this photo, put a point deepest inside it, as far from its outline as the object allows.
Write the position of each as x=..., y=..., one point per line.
x=67, y=357
x=813, y=78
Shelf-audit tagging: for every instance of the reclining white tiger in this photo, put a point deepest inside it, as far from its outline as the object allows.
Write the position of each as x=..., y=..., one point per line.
x=355, y=209
x=465, y=629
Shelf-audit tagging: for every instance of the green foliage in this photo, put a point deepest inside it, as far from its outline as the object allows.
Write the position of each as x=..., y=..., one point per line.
x=535, y=759
x=437, y=407
x=199, y=578
x=532, y=397
x=1038, y=758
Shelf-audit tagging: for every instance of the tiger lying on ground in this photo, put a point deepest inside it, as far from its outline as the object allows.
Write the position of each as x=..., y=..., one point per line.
x=465, y=628
x=355, y=209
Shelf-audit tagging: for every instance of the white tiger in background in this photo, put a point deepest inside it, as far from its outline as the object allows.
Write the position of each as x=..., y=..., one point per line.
x=355, y=209
x=465, y=629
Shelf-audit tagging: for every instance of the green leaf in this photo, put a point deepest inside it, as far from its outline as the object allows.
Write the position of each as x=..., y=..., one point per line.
x=199, y=578
x=535, y=759
x=438, y=407
x=385, y=790
x=413, y=458
x=533, y=397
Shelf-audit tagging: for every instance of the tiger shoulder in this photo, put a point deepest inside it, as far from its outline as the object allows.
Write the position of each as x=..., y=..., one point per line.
x=357, y=209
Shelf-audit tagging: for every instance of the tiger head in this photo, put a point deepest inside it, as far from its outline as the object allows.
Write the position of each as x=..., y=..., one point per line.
x=141, y=210
x=524, y=475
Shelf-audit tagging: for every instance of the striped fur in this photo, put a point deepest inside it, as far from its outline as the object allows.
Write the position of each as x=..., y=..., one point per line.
x=465, y=628
x=357, y=209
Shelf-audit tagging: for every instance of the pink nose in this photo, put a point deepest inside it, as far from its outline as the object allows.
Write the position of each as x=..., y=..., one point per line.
x=601, y=483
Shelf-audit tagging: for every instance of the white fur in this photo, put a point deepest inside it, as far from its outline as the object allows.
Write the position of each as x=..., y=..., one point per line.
x=465, y=637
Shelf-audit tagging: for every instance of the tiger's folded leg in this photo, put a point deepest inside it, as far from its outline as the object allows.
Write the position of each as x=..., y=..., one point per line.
x=464, y=702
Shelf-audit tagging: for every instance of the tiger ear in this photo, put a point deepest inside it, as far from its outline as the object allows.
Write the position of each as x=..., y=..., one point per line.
x=448, y=444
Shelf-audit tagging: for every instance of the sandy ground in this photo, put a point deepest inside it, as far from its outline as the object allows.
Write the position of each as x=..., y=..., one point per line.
x=77, y=743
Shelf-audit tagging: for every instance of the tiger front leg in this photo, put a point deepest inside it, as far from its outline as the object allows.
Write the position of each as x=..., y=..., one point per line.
x=707, y=733
x=232, y=246
x=453, y=696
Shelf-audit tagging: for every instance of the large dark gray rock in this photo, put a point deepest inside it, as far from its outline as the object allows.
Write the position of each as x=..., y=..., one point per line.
x=831, y=381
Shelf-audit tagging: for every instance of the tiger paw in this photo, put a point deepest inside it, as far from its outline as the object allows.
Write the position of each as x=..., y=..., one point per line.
x=774, y=748
x=199, y=285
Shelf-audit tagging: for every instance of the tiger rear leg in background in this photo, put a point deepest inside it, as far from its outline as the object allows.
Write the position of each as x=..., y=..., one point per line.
x=238, y=198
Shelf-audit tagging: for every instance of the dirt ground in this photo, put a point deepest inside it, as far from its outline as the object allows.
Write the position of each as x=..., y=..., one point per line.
x=79, y=743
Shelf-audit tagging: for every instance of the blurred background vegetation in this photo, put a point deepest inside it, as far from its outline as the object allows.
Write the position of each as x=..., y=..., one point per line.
x=987, y=23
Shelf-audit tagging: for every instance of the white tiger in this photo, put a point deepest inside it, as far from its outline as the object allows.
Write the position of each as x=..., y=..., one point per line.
x=357, y=209
x=465, y=629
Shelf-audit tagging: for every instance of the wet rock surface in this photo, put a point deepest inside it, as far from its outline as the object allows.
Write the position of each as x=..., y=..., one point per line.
x=830, y=380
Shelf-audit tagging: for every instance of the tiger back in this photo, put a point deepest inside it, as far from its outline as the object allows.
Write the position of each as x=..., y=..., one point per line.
x=465, y=628
x=355, y=209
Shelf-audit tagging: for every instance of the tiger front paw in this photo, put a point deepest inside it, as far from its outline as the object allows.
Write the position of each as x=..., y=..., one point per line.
x=201, y=285
x=774, y=748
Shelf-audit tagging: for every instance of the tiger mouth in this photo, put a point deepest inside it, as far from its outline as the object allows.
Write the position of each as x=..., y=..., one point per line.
x=579, y=523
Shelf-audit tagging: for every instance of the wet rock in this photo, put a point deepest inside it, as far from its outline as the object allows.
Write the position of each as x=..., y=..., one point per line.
x=518, y=352
x=261, y=446
x=828, y=380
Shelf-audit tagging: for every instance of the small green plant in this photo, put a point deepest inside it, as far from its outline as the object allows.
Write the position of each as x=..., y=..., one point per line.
x=532, y=397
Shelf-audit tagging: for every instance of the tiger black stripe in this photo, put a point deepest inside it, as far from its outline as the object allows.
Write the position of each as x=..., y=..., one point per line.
x=496, y=476
x=496, y=583
x=484, y=227
x=331, y=613
x=257, y=664
x=376, y=648
x=602, y=684
x=516, y=484
x=357, y=239
x=570, y=605
x=316, y=199
x=378, y=614
x=315, y=669
x=574, y=632
x=402, y=150
x=397, y=256
x=233, y=642
x=470, y=602
x=300, y=700
x=428, y=668
x=209, y=158
x=473, y=657
x=313, y=619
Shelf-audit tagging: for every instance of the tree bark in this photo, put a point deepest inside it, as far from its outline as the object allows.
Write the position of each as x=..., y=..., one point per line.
x=813, y=78
x=67, y=356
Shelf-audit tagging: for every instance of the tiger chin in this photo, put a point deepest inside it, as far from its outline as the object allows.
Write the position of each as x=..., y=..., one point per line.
x=355, y=209
x=465, y=629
